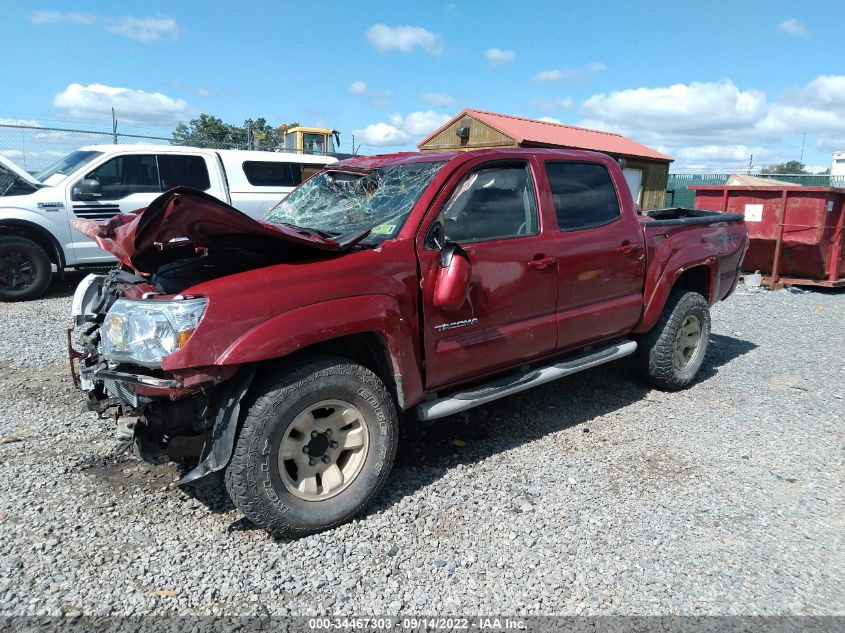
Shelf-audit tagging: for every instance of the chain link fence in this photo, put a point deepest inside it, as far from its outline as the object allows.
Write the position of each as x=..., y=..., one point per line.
x=678, y=193
x=34, y=147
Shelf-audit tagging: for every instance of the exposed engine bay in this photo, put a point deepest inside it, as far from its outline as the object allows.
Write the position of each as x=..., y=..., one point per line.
x=128, y=321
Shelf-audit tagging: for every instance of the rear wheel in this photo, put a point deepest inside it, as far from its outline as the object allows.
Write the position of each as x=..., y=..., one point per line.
x=670, y=355
x=25, y=269
x=317, y=445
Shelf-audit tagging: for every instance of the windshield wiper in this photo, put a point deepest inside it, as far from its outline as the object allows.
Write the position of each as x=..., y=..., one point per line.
x=341, y=239
x=308, y=230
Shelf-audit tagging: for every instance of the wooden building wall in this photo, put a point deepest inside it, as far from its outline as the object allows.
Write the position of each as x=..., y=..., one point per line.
x=481, y=136
x=655, y=181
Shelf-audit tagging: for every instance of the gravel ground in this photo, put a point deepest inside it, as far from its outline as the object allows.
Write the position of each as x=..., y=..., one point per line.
x=592, y=495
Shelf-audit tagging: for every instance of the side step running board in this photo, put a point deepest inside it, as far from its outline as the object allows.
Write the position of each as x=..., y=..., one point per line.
x=499, y=388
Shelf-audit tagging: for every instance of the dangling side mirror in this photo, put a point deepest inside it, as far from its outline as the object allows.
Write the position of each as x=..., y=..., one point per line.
x=453, y=276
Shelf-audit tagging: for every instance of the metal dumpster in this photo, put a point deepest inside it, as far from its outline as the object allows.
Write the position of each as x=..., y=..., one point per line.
x=796, y=233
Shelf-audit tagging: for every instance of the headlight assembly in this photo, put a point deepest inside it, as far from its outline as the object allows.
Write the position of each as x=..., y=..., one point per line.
x=145, y=331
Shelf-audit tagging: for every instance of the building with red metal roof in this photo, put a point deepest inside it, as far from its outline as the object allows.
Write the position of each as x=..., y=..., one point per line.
x=646, y=169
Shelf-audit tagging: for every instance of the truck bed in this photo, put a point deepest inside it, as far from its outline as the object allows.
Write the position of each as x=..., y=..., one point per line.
x=672, y=216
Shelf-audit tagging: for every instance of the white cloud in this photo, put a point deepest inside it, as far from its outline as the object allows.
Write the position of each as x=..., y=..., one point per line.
x=720, y=124
x=404, y=39
x=793, y=28
x=401, y=130
x=136, y=106
x=701, y=106
x=39, y=18
x=549, y=105
x=569, y=75
x=549, y=119
x=382, y=135
x=497, y=57
x=816, y=169
x=24, y=122
x=144, y=29
x=728, y=157
x=147, y=30
x=357, y=87
x=382, y=99
x=437, y=98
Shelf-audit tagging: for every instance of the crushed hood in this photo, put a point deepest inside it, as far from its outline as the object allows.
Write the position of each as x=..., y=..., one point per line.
x=184, y=223
x=8, y=169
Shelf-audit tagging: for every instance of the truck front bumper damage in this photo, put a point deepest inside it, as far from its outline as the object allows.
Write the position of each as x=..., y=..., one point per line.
x=193, y=407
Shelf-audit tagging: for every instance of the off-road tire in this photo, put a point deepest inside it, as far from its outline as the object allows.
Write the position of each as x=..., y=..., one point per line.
x=252, y=477
x=655, y=350
x=17, y=247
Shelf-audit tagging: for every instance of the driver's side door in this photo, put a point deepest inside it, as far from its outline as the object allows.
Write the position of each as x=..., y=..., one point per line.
x=508, y=316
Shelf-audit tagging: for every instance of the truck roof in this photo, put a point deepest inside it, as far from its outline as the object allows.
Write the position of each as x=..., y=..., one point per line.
x=403, y=158
x=237, y=153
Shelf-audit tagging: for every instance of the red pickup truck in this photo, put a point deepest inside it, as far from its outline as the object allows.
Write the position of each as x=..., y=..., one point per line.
x=280, y=353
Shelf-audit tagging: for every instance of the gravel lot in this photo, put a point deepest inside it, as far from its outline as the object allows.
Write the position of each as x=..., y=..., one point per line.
x=591, y=495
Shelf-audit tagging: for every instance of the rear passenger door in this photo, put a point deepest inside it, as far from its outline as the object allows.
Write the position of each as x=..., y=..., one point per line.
x=600, y=254
x=508, y=318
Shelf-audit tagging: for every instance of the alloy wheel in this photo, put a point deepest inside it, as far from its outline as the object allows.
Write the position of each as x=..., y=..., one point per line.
x=323, y=450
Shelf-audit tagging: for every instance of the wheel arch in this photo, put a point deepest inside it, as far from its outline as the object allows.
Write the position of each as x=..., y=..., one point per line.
x=37, y=234
x=699, y=276
x=370, y=329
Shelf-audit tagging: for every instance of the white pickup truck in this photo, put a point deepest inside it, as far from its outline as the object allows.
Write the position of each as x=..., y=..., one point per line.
x=37, y=239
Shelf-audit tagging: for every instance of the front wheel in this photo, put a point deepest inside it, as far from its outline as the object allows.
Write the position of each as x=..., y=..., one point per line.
x=670, y=355
x=316, y=446
x=25, y=269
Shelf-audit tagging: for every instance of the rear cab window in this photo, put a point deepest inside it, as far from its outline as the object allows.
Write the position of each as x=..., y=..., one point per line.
x=180, y=170
x=583, y=194
x=278, y=174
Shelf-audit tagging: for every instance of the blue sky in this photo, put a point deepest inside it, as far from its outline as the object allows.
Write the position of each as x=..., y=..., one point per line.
x=707, y=83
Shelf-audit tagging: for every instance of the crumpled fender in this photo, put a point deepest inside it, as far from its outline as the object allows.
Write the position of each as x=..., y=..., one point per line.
x=225, y=430
x=319, y=322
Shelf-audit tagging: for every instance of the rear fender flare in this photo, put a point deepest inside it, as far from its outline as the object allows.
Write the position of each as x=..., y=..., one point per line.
x=659, y=295
x=321, y=322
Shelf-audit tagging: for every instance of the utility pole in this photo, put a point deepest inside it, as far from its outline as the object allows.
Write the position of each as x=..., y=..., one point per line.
x=750, y=163
x=114, y=126
x=804, y=138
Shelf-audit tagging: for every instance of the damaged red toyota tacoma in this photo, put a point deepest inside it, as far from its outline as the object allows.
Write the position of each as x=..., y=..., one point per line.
x=280, y=353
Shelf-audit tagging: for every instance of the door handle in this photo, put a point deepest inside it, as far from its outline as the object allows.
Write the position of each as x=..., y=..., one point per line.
x=540, y=263
x=626, y=248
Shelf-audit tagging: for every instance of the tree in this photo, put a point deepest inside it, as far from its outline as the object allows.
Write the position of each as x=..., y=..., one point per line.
x=789, y=167
x=210, y=131
x=204, y=131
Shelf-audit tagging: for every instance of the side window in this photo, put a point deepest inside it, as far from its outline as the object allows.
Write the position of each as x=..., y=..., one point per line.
x=272, y=174
x=583, y=194
x=124, y=175
x=177, y=170
x=492, y=203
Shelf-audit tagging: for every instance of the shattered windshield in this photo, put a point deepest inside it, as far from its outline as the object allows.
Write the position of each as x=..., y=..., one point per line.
x=337, y=202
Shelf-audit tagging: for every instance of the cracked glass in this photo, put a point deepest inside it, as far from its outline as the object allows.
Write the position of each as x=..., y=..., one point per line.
x=338, y=202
